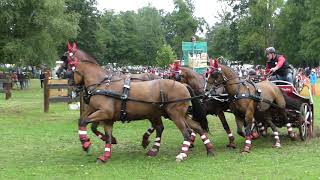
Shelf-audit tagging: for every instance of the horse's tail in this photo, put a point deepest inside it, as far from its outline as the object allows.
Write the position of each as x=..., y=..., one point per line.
x=198, y=112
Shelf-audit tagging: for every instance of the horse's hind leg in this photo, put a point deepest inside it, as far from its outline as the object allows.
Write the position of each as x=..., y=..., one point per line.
x=227, y=129
x=157, y=124
x=291, y=134
x=275, y=133
x=107, y=149
x=145, y=138
x=197, y=128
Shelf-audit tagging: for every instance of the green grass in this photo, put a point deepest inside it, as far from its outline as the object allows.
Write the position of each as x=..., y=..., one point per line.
x=37, y=145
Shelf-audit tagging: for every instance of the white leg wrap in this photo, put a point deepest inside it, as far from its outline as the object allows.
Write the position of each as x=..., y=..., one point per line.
x=206, y=141
x=230, y=135
x=275, y=133
x=107, y=149
x=181, y=156
x=82, y=132
x=203, y=136
x=158, y=139
x=184, y=148
x=276, y=137
x=193, y=134
x=186, y=143
x=248, y=141
x=290, y=129
x=289, y=125
x=277, y=144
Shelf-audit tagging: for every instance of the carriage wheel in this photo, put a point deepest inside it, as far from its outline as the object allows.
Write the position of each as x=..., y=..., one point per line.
x=306, y=122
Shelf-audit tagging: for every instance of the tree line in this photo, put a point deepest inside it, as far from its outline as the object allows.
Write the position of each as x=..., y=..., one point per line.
x=34, y=32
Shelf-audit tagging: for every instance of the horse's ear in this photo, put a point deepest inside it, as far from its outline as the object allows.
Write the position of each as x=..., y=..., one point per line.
x=210, y=62
x=69, y=46
x=215, y=63
x=74, y=46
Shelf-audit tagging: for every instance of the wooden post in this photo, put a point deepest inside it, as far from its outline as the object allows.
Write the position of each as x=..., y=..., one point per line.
x=45, y=95
x=7, y=89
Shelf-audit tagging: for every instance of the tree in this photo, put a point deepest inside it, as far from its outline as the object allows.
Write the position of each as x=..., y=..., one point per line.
x=181, y=25
x=287, y=28
x=165, y=56
x=31, y=31
x=310, y=33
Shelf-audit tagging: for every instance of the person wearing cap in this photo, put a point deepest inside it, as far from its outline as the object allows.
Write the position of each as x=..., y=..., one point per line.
x=278, y=66
x=313, y=81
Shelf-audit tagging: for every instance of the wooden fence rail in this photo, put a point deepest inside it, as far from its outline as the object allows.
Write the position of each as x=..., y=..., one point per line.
x=55, y=91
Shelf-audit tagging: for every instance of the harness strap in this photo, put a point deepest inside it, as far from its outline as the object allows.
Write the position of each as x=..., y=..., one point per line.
x=124, y=98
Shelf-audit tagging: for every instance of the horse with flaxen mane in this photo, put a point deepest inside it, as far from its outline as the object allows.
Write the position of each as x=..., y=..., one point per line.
x=113, y=98
x=250, y=101
x=211, y=106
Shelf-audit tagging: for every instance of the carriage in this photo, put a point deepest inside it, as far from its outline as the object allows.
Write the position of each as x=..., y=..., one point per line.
x=300, y=116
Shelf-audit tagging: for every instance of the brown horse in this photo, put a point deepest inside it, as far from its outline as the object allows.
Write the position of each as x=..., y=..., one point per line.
x=87, y=110
x=214, y=107
x=146, y=100
x=261, y=101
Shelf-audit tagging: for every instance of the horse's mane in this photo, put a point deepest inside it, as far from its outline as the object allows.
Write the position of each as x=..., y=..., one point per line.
x=230, y=71
x=86, y=57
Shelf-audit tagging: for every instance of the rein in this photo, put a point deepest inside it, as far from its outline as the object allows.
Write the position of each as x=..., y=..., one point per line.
x=120, y=97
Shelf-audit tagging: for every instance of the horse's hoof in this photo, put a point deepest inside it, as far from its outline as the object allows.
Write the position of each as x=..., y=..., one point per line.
x=86, y=146
x=277, y=145
x=231, y=146
x=145, y=143
x=191, y=146
x=293, y=137
x=246, y=149
x=102, y=159
x=210, y=153
x=152, y=153
x=114, y=140
x=180, y=157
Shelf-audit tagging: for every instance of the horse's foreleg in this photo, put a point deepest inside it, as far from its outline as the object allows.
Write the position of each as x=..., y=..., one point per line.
x=107, y=149
x=145, y=137
x=197, y=128
x=239, y=123
x=85, y=141
x=248, y=131
x=262, y=129
x=156, y=146
x=227, y=129
x=177, y=115
x=94, y=129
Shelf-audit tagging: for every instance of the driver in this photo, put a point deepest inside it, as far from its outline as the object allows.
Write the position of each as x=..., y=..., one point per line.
x=278, y=66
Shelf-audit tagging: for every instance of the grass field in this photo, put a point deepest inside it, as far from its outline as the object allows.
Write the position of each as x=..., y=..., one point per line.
x=37, y=145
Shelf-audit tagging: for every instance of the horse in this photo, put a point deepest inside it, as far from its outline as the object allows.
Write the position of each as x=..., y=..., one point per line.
x=211, y=106
x=87, y=110
x=250, y=101
x=143, y=100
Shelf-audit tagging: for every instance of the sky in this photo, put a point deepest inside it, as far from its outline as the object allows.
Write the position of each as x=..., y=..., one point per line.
x=208, y=9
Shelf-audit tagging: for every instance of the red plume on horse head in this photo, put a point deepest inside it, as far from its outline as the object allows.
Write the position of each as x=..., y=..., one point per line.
x=73, y=48
x=69, y=47
x=214, y=63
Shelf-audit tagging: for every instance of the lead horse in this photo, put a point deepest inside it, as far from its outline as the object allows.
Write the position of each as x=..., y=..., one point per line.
x=250, y=102
x=146, y=100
